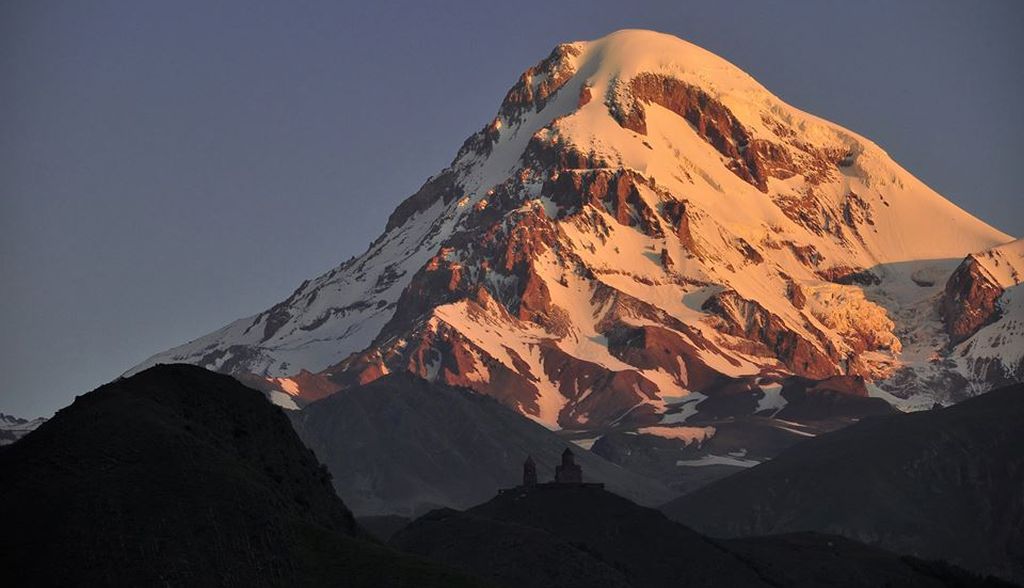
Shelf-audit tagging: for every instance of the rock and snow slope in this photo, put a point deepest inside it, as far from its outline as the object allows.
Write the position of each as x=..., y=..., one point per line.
x=13, y=428
x=983, y=305
x=641, y=222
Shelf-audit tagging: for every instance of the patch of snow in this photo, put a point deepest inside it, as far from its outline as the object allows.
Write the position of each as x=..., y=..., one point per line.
x=712, y=460
x=586, y=443
x=684, y=407
x=1005, y=263
x=687, y=435
x=283, y=400
x=772, y=399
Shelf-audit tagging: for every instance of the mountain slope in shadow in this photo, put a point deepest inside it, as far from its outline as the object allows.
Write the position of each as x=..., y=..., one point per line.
x=180, y=476
x=403, y=445
x=945, y=483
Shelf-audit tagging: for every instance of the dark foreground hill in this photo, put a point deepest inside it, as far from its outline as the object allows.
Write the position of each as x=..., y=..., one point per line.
x=577, y=536
x=945, y=484
x=181, y=477
x=403, y=445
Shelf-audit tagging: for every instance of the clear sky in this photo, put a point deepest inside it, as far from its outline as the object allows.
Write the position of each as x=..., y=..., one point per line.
x=167, y=167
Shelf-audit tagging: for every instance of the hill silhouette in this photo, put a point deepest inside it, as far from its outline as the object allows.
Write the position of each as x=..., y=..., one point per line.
x=179, y=476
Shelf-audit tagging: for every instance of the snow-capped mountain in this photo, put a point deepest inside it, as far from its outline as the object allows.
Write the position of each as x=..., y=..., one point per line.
x=13, y=428
x=643, y=224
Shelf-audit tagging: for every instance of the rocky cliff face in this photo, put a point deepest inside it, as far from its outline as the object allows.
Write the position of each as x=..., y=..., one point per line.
x=640, y=223
x=969, y=301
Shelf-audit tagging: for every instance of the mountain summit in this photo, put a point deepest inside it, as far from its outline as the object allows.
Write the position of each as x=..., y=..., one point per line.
x=643, y=222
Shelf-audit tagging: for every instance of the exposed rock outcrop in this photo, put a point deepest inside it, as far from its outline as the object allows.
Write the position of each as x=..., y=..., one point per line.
x=754, y=160
x=748, y=319
x=970, y=301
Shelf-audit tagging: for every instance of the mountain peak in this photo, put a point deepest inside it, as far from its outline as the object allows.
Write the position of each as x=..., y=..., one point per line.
x=626, y=53
x=640, y=222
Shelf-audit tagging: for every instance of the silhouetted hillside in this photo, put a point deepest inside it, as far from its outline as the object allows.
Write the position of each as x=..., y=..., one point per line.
x=181, y=477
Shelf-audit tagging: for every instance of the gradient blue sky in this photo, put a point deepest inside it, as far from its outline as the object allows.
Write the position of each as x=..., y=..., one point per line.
x=167, y=167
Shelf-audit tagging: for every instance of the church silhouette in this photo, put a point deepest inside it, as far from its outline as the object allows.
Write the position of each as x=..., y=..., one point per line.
x=567, y=473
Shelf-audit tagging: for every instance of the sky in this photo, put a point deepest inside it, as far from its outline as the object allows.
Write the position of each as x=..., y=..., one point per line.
x=168, y=167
